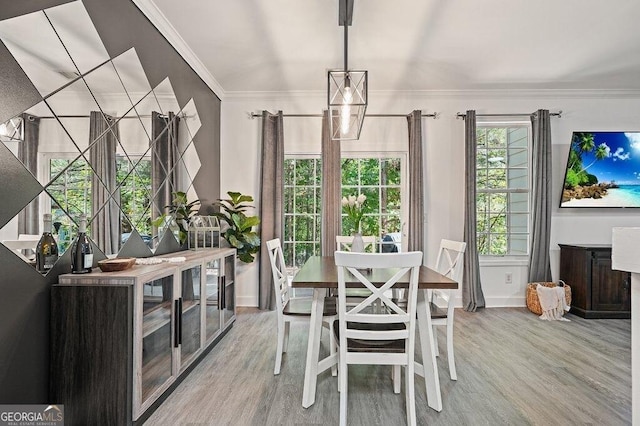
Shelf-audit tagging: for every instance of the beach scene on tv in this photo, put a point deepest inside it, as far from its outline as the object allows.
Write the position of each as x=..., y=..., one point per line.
x=603, y=170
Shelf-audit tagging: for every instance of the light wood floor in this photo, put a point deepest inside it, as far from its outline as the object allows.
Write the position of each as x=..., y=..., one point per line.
x=513, y=369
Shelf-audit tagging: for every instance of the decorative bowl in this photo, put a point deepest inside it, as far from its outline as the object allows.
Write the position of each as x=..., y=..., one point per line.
x=118, y=264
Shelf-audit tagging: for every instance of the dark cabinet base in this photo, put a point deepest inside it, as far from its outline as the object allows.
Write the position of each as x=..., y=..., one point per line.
x=597, y=290
x=590, y=314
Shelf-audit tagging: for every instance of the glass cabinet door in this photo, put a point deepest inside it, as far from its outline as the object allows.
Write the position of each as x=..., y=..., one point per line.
x=156, y=335
x=212, y=293
x=190, y=321
x=229, y=307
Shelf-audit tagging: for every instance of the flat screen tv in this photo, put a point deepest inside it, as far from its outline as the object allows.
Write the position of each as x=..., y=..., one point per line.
x=603, y=170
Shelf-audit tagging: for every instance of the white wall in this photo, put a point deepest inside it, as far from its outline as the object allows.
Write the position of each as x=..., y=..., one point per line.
x=444, y=152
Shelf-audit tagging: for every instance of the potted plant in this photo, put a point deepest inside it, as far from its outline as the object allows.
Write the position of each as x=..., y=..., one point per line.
x=240, y=233
x=180, y=213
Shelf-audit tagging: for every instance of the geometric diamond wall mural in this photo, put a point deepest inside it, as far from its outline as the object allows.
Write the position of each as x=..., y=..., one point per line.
x=102, y=141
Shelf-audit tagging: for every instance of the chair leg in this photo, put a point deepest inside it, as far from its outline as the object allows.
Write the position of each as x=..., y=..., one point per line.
x=342, y=382
x=332, y=348
x=435, y=340
x=450, y=356
x=410, y=391
x=396, y=378
x=279, y=347
x=287, y=325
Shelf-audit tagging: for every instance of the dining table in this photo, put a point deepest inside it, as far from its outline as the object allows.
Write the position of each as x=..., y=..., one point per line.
x=320, y=273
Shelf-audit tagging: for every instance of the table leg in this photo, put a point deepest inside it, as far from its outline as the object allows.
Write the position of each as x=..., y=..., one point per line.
x=427, y=347
x=313, y=348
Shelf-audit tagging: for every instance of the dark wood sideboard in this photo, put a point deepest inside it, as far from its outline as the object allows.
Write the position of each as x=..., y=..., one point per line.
x=597, y=290
x=122, y=341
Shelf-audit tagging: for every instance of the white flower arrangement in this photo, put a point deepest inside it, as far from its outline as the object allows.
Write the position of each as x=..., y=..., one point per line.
x=353, y=206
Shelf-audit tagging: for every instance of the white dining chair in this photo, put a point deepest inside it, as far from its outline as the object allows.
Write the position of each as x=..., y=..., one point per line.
x=367, y=335
x=449, y=263
x=291, y=309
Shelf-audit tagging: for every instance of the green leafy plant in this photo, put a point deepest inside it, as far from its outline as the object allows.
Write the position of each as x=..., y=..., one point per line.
x=240, y=233
x=180, y=213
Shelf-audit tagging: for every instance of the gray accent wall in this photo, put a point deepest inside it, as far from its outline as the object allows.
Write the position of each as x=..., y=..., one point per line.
x=24, y=293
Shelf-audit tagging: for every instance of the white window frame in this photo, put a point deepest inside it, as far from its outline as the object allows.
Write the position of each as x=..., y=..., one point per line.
x=511, y=259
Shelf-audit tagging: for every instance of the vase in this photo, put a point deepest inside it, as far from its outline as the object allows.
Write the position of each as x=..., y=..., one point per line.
x=357, y=246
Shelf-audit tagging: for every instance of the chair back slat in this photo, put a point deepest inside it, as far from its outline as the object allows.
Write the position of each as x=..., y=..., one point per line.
x=279, y=273
x=450, y=259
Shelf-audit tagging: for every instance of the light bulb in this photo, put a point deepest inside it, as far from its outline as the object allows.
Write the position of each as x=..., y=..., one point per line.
x=345, y=111
x=3, y=130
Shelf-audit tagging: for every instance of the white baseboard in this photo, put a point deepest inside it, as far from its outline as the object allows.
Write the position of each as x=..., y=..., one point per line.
x=246, y=301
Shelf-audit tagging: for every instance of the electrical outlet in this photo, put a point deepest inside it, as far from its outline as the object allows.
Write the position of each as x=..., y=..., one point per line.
x=508, y=278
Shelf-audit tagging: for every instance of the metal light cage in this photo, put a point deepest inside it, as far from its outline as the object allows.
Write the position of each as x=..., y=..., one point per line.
x=339, y=81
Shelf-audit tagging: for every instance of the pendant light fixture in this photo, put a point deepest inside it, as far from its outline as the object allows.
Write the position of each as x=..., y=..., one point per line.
x=347, y=89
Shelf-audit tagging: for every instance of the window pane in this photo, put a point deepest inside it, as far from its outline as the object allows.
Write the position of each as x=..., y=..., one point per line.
x=498, y=202
x=305, y=172
x=318, y=172
x=304, y=198
x=288, y=227
x=349, y=172
x=496, y=137
x=303, y=228
x=370, y=171
x=289, y=167
x=497, y=178
x=390, y=169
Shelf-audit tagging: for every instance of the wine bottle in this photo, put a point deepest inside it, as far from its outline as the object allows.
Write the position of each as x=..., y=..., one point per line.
x=47, y=249
x=81, y=251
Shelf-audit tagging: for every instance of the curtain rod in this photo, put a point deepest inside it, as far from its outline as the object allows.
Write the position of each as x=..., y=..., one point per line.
x=49, y=117
x=253, y=115
x=552, y=114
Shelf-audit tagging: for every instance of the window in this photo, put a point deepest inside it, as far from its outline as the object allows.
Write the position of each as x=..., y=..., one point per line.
x=380, y=179
x=302, y=204
x=134, y=176
x=70, y=191
x=502, y=173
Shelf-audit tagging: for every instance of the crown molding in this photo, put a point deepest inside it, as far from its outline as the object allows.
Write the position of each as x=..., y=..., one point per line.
x=162, y=24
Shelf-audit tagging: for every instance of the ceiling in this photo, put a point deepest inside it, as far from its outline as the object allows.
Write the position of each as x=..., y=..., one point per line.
x=288, y=45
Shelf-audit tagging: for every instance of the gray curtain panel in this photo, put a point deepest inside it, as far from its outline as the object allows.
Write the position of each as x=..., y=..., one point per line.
x=164, y=156
x=539, y=262
x=271, y=200
x=28, y=219
x=472, y=296
x=415, y=234
x=331, y=189
x=103, y=139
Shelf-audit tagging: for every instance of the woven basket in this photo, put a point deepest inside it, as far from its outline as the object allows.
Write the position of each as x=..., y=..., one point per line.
x=532, y=296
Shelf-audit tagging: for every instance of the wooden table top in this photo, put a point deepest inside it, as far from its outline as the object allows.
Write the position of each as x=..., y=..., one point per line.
x=321, y=272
